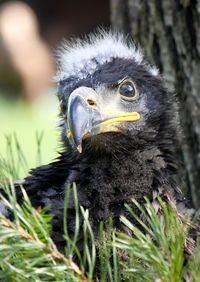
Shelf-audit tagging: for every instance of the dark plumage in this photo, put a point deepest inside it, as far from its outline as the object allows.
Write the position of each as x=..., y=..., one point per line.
x=119, y=132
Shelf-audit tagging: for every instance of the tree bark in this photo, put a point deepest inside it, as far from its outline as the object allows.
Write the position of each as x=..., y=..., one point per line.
x=169, y=32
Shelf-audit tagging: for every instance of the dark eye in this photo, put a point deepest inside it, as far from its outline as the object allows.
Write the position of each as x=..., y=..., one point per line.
x=127, y=90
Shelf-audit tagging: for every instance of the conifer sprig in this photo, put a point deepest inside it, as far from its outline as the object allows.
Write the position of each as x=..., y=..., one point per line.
x=27, y=251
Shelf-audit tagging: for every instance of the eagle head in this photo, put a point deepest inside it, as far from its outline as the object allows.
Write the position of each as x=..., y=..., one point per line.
x=111, y=99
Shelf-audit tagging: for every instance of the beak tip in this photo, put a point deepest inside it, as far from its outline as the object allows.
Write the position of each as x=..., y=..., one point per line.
x=79, y=148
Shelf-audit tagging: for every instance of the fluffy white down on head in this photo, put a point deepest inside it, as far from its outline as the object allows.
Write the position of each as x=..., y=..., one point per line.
x=81, y=58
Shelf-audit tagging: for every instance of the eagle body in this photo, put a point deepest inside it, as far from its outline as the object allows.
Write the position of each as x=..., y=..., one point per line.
x=119, y=132
x=100, y=189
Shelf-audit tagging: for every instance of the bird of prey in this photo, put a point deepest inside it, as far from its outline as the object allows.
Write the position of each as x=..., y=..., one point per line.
x=119, y=133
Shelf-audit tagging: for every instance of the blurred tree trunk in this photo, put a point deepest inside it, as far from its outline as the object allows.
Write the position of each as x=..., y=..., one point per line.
x=169, y=32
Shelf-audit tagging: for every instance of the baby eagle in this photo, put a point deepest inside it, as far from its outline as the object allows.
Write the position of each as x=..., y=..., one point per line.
x=119, y=132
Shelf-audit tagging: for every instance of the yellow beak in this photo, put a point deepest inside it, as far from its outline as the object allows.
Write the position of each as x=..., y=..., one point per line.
x=127, y=117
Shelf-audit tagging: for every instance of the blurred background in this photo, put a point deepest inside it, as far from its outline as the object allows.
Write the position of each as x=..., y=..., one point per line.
x=30, y=32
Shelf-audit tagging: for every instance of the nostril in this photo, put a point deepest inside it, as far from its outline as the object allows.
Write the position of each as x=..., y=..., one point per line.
x=91, y=103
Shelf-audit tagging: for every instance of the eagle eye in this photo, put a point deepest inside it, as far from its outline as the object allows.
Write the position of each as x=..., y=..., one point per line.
x=127, y=90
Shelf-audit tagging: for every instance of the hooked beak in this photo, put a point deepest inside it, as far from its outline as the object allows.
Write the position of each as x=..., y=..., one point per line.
x=84, y=119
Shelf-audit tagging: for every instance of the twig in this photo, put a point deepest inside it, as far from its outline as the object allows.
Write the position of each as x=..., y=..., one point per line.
x=51, y=249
